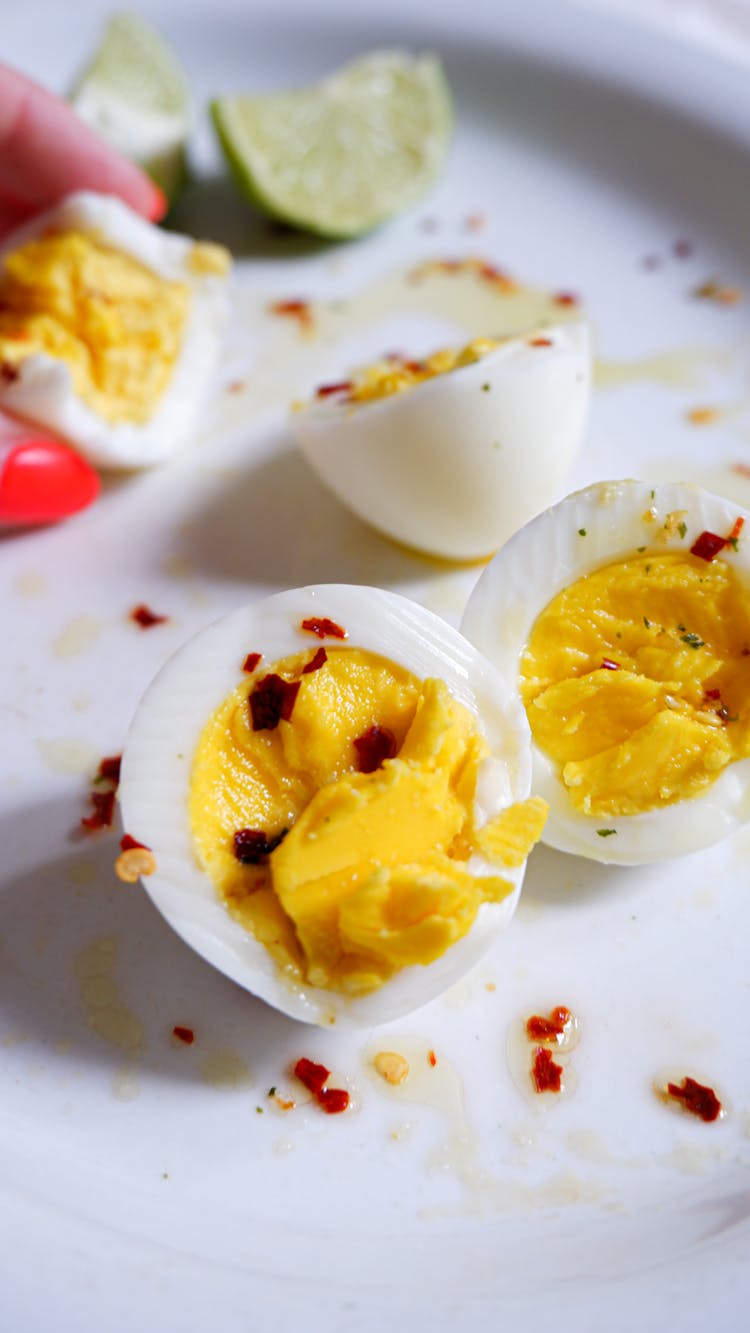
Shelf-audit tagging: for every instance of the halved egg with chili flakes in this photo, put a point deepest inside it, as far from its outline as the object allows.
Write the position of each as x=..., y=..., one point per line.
x=110, y=329
x=335, y=787
x=621, y=617
x=452, y=454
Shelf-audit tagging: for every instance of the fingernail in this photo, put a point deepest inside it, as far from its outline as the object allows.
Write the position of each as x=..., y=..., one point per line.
x=158, y=205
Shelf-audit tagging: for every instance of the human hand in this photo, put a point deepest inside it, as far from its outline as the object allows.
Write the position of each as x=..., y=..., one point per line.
x=46, y=152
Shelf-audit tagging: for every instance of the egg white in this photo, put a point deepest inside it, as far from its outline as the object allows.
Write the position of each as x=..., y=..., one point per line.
x=158, y=759
x=456, y=464
x=43, y=391
x=548, y=555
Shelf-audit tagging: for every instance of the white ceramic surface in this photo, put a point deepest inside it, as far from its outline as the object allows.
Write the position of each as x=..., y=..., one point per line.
x=140, y=1186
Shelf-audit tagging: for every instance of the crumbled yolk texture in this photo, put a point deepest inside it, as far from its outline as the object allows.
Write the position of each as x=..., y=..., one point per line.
x=372, y=872
x=395, y=375
x=636, y=681
x=117, y=325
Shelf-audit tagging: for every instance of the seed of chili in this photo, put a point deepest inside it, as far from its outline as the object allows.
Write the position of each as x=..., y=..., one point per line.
x=431, y=1056
x=128, y=843
x=251, y=662
x=251, y=846
x=326, y=390
x=145, y=618
x=272, y=701
x=318, y=660
x=609, y=665
x=185, y=1035
x=696, y=1098
x=373, y=747
x=546, y=1072
x=104, y=810
x=323, y=627
x=548, y=1029
x=109, y=769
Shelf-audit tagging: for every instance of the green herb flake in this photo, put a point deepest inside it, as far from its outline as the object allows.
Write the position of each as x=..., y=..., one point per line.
x=605, y=832
x=653, y=495
x=486, y=388
x=581, y=532
x=734, y=542
x=647, y=622
x=271, y=1091
x=693, y=640
x=641, y=549
x=259, y=1110
x=682, y=529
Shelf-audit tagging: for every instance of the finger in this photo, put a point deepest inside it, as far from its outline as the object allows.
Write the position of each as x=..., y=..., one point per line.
x=46, y=152
x=12, y=215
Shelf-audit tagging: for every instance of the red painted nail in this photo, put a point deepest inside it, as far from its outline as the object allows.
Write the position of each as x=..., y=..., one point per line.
x=42, y=480
x=159, y=204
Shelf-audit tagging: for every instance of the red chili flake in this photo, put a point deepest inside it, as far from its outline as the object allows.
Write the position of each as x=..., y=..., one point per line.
x=708, y=545
x=565, y=298
x=127, y=843
x=741, y=469
x=609, y=665
x=318, y=660
x=251, y=846
x=251, y=662
x=8, y=372
x=475, y=221
x=491, y=273
x=712, y=694
x=235, y=386
x=144, y=617
x=323, y=627
x=540, y=342
x=546, y=1072
x=104, y=810
x=696, y=1098
x=109, y=769
x=272, y=701
x=548, y=1029
x=185, y=1035
x=299, y=310
x=682, y=248
x=373, y=747
x=327, y=390
x=431, y=1056
x=314, y=1077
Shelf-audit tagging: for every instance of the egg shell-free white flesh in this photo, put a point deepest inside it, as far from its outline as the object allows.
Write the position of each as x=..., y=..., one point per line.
x=452, y=467
x=548, y=555
x=43, y=392
x=158, y=758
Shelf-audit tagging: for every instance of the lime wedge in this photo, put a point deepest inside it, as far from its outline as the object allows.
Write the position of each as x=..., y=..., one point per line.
x=343, y=155
x=135, y=95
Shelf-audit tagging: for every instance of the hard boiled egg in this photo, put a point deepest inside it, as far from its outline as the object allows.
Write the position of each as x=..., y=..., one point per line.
x=110, y=329
x=333, y=784
x=453, y=454
x=621, y=617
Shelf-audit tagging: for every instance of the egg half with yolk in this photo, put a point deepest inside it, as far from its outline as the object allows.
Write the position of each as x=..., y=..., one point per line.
x=452, y=454
x=110, y=329
x=335, y=788
x=621, y=617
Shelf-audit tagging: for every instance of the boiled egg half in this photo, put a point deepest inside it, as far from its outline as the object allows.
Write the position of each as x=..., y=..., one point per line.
x=621, y=617
x=110, y=329
x=334, y=785
x=452, y=454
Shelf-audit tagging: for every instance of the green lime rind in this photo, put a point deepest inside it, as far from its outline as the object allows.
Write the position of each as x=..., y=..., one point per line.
x=341, y=157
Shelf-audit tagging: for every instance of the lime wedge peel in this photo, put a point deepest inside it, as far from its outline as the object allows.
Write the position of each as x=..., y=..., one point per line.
x=341, y=156
x=134, y=93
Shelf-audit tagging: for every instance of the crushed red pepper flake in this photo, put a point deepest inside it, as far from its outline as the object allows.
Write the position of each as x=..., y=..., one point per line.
x=546, y=1072
x=251, y=662
x=109, y=769
x=708, y=545
x=145, y=618
x=720, y=292
x=185, y=1035
x=432, y=1058
x=475, y=222
x=318, y=660
x=682, y=248
x=373, y=746
x=550, y=1028
x=323, y=627
x=251, y=846
x=328, y=390
x=296, y=309
x=565, y=298
x=702, y=416
x=540, y=342
x=741, y=469
x=314, y=1077
x=272, y=701
x=695, y=1098
x=128, y=844
x=103, y=812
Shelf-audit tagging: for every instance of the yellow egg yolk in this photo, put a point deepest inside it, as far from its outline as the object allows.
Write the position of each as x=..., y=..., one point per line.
x=117, y=325
x=636, y=681
x=396, y=374
x=370, y=872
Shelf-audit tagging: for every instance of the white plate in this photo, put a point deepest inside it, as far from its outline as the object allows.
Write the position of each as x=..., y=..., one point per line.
x=137, y=1191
